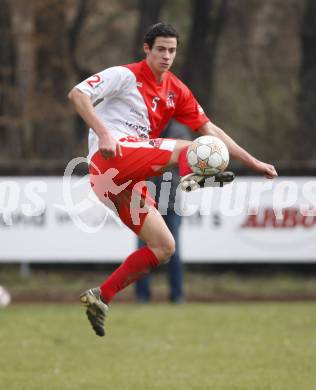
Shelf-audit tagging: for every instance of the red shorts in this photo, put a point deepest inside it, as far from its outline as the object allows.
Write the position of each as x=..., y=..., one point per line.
x=120, y=182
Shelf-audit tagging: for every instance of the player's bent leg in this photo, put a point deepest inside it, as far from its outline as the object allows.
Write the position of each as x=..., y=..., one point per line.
x=159, y=247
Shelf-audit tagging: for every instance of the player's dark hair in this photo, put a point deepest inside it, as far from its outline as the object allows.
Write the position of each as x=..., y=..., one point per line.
x=160, y=30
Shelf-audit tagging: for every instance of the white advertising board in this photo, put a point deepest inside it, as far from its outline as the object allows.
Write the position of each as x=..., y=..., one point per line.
x=252, y=220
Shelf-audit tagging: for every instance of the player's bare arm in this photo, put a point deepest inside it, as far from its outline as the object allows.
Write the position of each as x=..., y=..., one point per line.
x=108, y=145
x=238, y=152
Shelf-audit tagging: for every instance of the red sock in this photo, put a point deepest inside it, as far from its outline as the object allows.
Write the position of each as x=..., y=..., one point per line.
x=184, y=167
x=137, y=265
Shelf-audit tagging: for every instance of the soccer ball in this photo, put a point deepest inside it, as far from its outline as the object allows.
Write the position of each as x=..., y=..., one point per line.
x=207, y=155
x=5, y=297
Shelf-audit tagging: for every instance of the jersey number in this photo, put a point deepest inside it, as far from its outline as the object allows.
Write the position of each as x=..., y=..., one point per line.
x=94, y=80
x=155, y=103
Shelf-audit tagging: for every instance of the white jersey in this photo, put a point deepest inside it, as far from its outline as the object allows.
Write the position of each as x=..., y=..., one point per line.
x=130, y=102
x=118, y=103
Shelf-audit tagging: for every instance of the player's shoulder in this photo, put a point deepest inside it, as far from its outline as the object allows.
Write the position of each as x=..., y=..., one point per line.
x=119, y=70
x=137, y=68
x=119, y=75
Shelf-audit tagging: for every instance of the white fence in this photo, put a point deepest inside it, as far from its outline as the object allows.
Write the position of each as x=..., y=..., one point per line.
x=253, y=220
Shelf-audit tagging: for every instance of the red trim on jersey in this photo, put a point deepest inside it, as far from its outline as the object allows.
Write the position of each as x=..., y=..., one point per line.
x=166, y=99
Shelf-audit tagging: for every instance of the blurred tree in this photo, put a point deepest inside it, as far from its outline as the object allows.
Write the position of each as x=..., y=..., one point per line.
x=82, y=10
x=257, y=54
x=307, y=96
x=256, y=76
x=23, y=27
x=149, y=13
x=53, y=128
x=8, y=107
x=81, y=72
x=206, y=28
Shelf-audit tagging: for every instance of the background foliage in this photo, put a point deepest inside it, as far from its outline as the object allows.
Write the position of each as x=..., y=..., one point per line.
x=251, y=64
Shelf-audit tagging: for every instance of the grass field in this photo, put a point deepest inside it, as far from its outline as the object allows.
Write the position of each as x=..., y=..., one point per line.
x=149, y=347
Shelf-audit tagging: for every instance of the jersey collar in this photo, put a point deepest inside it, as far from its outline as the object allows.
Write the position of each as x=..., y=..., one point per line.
x=149, y=73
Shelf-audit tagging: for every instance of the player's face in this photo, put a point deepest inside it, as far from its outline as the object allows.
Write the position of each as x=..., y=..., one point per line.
x=160, y=57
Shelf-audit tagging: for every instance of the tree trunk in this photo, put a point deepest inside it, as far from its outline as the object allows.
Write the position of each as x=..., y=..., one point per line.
x=80, y=72
x=149, y=14
x=307, y=98
x=207, y=26
x=23, y=27
x=8, y=95
x=52, y=73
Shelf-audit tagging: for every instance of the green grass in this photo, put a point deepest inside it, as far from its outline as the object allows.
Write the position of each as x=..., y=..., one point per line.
x=185, y=347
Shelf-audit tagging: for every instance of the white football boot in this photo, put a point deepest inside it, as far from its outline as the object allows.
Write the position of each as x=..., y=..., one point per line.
x=194, y=181
x=96, y=309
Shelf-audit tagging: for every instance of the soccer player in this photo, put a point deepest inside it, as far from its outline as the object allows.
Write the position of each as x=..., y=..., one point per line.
x=126, y=108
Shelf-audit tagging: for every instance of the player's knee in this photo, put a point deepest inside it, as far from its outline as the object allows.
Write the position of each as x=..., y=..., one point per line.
x=167, y=249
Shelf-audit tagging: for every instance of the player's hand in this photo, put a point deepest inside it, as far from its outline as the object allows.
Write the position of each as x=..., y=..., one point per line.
x=267, y=170
x=109, y=147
